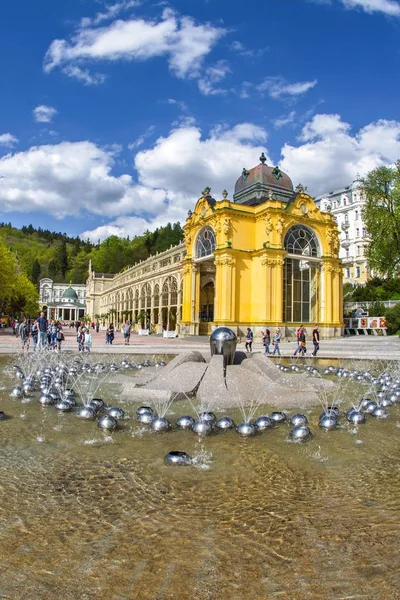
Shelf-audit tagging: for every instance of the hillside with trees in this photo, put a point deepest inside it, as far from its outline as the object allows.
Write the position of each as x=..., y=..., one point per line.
x=42, y=253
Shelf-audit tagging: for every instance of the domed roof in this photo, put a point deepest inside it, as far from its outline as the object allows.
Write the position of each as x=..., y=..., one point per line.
x=70, y=294
x=262, y=183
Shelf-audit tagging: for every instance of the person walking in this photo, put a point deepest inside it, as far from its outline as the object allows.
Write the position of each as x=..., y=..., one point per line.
x=42, y=324
x=249, y=340
x=59, y=336
x=80, y=338
x=24, y=334
x=267, y=341
x=87, y=341
x=315, y=340
x=34, y=335
x=276, y=341
x=298, y=335
x=126, y=330
x=111, y=331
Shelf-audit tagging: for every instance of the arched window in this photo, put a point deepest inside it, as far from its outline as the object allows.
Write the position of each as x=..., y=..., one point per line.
x=156, y=295
x=205, y=243
x=301, y=276
x=300, y=240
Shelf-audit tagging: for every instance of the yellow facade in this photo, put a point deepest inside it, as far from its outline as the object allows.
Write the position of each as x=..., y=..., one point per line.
x=244, y=281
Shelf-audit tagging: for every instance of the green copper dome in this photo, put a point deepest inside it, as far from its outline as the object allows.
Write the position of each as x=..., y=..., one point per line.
x=70, y=294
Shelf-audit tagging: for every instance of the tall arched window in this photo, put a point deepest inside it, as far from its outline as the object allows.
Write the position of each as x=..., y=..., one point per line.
x=301, y=275
x=205, y=243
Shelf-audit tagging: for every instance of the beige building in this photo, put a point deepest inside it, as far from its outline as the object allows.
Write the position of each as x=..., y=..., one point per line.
x=346, y=205
x=148, y=294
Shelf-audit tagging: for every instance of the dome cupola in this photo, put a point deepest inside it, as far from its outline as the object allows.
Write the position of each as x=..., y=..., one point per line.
x=262, y=183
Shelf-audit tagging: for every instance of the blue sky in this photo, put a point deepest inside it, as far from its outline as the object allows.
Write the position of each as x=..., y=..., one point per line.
x=115, y=115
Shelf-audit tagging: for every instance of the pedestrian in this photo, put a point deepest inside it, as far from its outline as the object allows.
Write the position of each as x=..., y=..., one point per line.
x=126, y=330
x=80, y=338
x=276, y=341
x=16, y=327
x=301, y=342
x=87, y=341
x=42, y=324
x=298, y=336
x=111, y=333
x=249, y=340
x=97, y=326
x=24, y=334
x=315, y=340
x=53, y=335
x=35, y=334
x=59, y=336
x=267, y=341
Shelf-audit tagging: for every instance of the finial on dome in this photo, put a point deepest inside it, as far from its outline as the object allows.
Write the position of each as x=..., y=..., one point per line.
x=224, y=194
x=263, y=159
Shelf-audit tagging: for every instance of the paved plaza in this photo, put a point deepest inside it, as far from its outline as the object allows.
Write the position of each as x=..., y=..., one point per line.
x=353, y=347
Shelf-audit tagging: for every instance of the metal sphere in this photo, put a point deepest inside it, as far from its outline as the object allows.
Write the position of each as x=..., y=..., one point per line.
x=97, y=402
x=209, y=417
x=144, y=409
x=246, y=429
x=380, y=412
x=334, y=409
x=370, y=406
x=46, y=400
x=223, y=341
x=116, y=412
x=278, y=417
x=71, y=401
x=178, y=459
x=386, y=401
x=300, y=433
x=356, y=417
x=298, y=419
x=225, y=423
x=16, y=392
x=20, y=375
x=145, y=418
x=107, y=422
x=185, y=422
x=28, y=388
x=86, y=412
x=327, y=422
x=262, y=423
x=202, y=427
x=160, y=424
x=63, y=406
x=295, y=368
x=364, y=403
x=2, y=415
x=380, y=394
x=161, y=363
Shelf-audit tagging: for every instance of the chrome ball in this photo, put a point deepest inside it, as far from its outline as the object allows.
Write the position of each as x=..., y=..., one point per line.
x=262, y=423
x=386, y=402
x=178, y=459
x=364, y=403
x=107, y=422
x=28, y=388
x=246, y=429
x=2, y=415
x=209, y=417
x=225, y=423
x=71, y=401
x=116, y=412
x=63, y=406
x=185, y=422
x=327, y=422
x=300, y=433
x=298, y=419
x=332, y=408
x=370, y=406
x=97, y=402
x=160, y=424
x=20, y=375
x=86, y=413
x=278, y=417
x=202, y=427
x=356, y=417
x=145, y=418
x=16, y=392
x=380, y=412
x=46, y=400
x=144, y=409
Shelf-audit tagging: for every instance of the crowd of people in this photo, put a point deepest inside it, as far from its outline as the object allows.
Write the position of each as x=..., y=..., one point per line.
x=42, y=333
x=269, y=339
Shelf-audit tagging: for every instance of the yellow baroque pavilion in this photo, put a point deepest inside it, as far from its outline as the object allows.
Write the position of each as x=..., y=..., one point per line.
x=269, y=258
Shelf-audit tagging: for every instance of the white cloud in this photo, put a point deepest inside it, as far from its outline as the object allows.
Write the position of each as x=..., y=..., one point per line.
x=332, y=157
x=71, y=179
x=180, y=39
x=84, y=75
x=284, y=120
x=111, y=13
x=240, y=49
x=141, y=139
x=44, y=114
x=278, y=88
x=8, y=140
x=211, y=76
x=179, y=103
x=388, y=7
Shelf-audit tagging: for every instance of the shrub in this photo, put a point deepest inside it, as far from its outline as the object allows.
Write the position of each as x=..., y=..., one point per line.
x=393, y=319
x=377, y=309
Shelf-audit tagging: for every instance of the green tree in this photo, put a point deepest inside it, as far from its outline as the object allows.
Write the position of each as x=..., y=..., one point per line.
x=17, y=294
x=381, y=213
x=35, y=271
x=61, y=258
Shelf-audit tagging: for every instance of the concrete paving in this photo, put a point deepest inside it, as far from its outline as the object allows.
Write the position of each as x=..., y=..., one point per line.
x=353, y=347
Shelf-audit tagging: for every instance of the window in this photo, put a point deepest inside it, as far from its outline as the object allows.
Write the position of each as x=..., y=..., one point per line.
x=357, y=232
x=347, y=252
x=356, y=215
x=358, y=250
x=346, y=218
x=364, y=232
x=205, y=243
x=347, y=273
x=358, y=272
x=300, y=240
